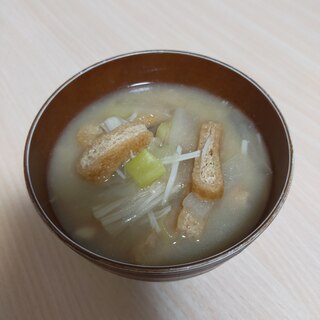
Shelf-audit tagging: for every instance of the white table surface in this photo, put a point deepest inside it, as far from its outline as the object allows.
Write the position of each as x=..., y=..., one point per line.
x=277, y=43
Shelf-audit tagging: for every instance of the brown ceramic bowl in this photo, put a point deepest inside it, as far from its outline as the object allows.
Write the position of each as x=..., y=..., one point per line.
x=156, y=67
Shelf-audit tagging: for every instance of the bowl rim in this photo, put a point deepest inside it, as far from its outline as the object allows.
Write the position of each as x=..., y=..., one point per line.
x=175, y=268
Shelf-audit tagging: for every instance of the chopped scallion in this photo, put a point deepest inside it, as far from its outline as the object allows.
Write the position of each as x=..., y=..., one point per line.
x=145, y=168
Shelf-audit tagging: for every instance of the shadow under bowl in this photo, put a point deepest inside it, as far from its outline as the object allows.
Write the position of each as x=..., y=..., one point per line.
x=160, y=66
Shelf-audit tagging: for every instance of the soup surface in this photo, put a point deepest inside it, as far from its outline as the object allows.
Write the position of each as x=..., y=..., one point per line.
x=118, y=219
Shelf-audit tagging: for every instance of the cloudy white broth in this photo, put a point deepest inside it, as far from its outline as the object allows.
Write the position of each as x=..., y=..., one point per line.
x=131, y=211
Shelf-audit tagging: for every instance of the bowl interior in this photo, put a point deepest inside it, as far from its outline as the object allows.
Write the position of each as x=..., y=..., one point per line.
x=154, y=67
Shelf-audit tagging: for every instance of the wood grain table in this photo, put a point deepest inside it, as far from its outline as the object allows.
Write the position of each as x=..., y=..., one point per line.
x=277, y=43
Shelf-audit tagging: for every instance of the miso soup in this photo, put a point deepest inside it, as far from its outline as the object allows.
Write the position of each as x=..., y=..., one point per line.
x=122, y=175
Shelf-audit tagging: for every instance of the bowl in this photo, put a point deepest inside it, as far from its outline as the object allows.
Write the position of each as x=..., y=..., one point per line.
x=159, y=66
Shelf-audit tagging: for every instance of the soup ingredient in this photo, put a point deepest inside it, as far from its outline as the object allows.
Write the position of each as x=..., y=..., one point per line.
x=152, y=119
x=160, y=150
x=207, y=178
x=145, y=168
x=172, y=177
x=153, y=218
x=184, y=130
x=110, y=150
x=111, y=123
x=193, y=217
x=87, y=134
x=182, y=157
x=117, y=215
x=163, y=131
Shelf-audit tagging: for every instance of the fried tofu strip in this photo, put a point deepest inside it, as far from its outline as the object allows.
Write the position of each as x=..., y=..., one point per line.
x=207, y=183
x=88, y=133
x=207, y=177
x=151, y=120
x=110, y=150
x=193, y=217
